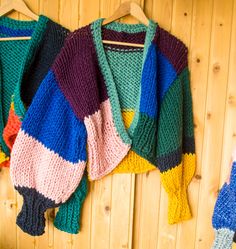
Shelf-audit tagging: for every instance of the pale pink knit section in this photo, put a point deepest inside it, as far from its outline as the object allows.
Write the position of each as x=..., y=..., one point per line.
x=105, y=147
x=35, y=166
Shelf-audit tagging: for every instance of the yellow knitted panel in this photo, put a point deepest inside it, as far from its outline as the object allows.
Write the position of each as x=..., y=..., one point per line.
x=175, y=182
x=133, y=163
x=3, y=157
x=127, y=116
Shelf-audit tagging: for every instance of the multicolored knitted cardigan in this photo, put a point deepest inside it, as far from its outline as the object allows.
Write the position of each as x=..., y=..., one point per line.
x=224, y=217
x=24, y=64
x=84, y=101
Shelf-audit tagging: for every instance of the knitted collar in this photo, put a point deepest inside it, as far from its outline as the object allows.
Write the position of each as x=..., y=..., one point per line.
x=107, y=73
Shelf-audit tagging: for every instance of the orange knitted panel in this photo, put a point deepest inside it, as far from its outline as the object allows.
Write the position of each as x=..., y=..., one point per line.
x=12, y=128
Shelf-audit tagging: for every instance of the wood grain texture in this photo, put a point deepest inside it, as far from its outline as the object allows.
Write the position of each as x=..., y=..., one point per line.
x=128, y=211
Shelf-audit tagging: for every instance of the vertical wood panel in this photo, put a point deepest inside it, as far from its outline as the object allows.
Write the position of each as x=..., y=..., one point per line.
x=215, y=108
x=198, y=62
x=127, y=211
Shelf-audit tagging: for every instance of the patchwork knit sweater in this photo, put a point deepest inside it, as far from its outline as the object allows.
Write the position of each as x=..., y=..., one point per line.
x=130, y=107
x=224, y=216
x=24, y=64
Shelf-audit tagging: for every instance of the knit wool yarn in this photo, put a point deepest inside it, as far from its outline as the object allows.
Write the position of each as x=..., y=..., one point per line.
x=47, y=40
x=76, y=118
x=68, y=216
x=24, y=64
x=224, y=216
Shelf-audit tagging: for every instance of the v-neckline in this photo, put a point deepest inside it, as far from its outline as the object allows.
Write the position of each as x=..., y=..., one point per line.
x=150, y=31
x=38, y=28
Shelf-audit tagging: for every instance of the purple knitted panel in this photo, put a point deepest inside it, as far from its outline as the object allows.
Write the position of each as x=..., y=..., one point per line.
x=172, y=48
x=78, y=75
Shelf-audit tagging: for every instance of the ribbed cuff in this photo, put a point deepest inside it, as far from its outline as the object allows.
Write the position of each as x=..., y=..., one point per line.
x=68, y=216
x=178, y=207
x=223, y=239
x=31, y=217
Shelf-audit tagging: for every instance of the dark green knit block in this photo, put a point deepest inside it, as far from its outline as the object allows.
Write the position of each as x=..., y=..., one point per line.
x=68, y=215
x=187, y=105
x=145, y=138
x=169, y=138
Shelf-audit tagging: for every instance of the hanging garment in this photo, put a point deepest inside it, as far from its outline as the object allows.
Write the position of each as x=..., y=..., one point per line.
x=224, y=216
x=80, y=104
x=23, y=65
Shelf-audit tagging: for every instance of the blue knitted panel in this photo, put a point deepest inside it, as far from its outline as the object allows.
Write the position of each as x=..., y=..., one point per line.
x=225, y=208
x=55, y=124
x=156, y=67
x=15, y=32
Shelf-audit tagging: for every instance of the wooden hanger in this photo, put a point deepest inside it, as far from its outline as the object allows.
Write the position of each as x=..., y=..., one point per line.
x=127, y=8
x=20, y=6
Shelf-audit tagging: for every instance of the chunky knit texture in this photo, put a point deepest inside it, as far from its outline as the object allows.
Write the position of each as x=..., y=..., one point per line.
x=224, y=217
x=23, y=66
x=33, y=62
x=76, y=118
x=68, y=217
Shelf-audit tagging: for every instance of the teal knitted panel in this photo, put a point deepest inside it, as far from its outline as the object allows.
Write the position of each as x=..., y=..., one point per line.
x=68, y=216
x=126, y=68
x=11, y=54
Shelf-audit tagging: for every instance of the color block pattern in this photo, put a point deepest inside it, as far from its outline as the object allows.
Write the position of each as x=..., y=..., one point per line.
x=80, y=105
x=224, y=216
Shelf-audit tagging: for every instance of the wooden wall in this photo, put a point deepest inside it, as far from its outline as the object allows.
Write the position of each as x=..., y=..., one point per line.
x=128, y=211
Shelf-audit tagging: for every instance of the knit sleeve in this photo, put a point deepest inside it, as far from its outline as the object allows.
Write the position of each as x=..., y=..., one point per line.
x=224, y=216
x=175, y=146
x=49, y=155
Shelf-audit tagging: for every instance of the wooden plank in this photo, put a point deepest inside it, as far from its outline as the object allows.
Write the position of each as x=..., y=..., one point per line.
x=24, y=240
x=181, y=27
x=67, y=17
x=147, y=192
x=82, y=240
x=229, y=138
x=7, y=211
x=88, y=12
x=214, y=120
x=122, y=211
x=69, y=14
x=101, y=213
x=198, y=62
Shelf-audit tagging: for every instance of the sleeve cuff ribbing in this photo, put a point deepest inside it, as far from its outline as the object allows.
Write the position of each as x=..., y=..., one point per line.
x=31, y=217
x=178, y=206
x=223, y=239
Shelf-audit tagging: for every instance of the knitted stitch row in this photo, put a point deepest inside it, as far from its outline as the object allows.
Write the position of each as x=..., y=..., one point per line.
x=47, y=40
x=224, y=216
x=79, y=105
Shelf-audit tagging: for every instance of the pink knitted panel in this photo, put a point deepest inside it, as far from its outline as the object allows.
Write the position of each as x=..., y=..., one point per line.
x=105, y=147
x=43, y=169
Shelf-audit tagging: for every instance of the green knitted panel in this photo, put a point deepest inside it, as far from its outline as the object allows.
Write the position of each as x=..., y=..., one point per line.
x=11, y=54
x=187, y=105
x=171, y=119
x=145, y=138
x=126, y=68
x=68, y=215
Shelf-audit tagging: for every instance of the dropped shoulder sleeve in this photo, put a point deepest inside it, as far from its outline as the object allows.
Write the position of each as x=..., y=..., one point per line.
x=49, y=154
